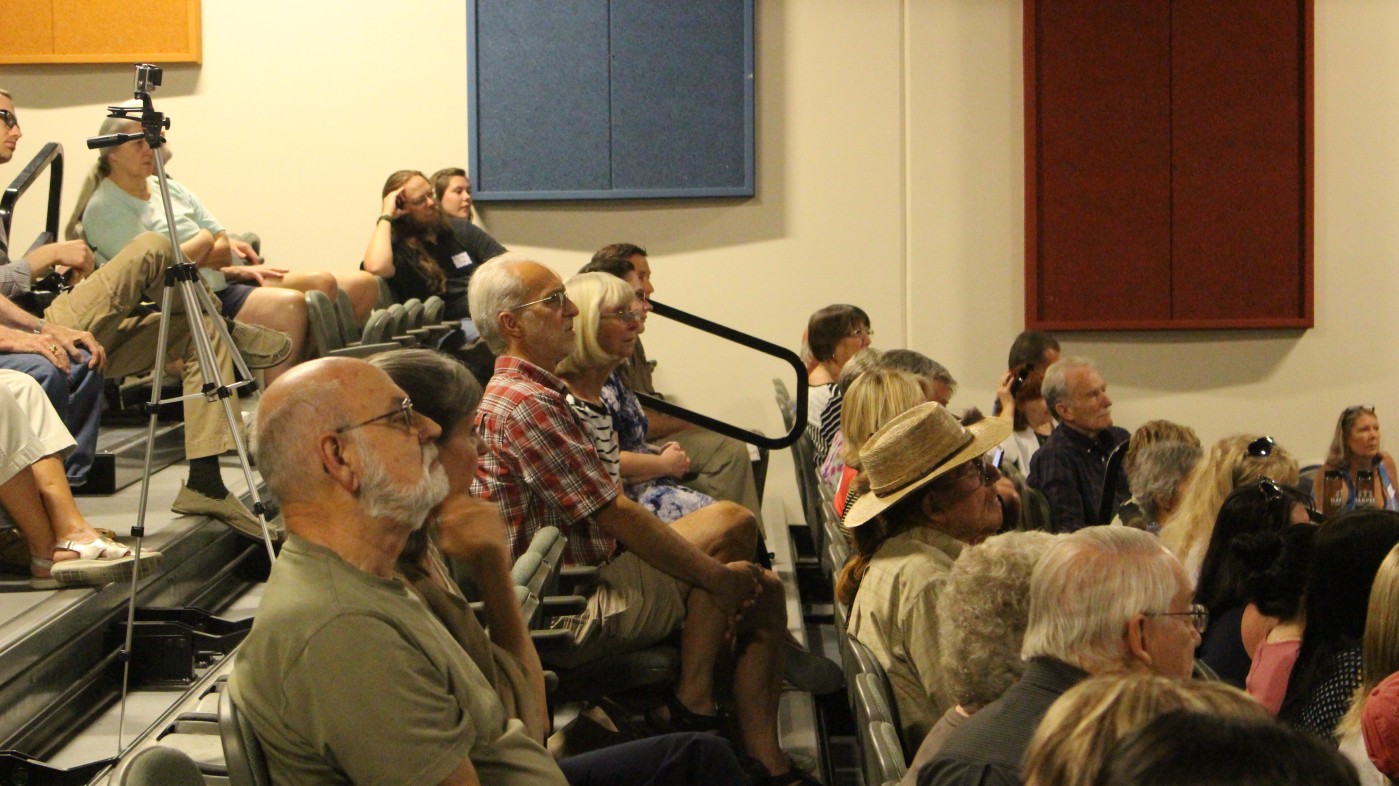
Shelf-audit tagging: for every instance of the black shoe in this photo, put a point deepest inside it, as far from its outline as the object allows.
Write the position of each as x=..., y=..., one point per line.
x=810, y=672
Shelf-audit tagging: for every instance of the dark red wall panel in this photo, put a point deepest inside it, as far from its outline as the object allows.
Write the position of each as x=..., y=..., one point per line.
x=1236, y=159
x=1168, y=163
x=1103, y=150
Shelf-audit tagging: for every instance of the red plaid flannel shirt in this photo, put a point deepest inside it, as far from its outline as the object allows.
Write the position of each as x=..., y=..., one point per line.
x=538, y=464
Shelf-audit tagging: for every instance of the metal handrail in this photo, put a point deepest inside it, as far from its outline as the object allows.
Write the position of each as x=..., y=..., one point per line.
x=50, y=157
x=754, y=343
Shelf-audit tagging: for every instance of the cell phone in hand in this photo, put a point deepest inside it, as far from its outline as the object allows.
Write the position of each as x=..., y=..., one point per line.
x=997, y=456
x=1020, y=377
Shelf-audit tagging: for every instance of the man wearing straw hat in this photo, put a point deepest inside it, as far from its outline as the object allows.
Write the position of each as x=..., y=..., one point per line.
x=931, y=492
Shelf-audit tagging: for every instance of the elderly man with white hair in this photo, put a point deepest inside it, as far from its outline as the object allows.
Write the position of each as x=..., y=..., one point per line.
x=540, y=468
x=1103, y=600
x=1068, y=469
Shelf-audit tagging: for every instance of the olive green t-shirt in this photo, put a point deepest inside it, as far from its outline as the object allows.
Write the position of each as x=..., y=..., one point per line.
x=347, y=678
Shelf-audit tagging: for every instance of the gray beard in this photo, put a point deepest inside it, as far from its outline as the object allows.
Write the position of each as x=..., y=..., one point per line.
x=382, y=498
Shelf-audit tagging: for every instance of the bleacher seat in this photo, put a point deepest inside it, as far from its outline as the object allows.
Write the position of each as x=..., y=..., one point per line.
x=242, y=752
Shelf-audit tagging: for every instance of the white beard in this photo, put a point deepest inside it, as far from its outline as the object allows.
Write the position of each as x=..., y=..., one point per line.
x=382, y=498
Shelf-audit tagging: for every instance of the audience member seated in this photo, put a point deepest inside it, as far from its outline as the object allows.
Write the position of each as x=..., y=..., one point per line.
x=1379, y=726
x=127, y=202
x=930, y=493
x=1346, y=554
x=1103, y=600
x=1159, y=458
x=1251, y=514
x=936, y=381
x=1077, y=734
x=421, y=252
x=1356, y=474
x=94, y=316
x=834, y=333
x=874, y=399
x=1379, y=659
x=1274, y=618
x=539, y=467
x=982, y=610
x=720, y=466
x=452, y=189
x=34, y=491
x=1183, y=748
x=604, y=334
x=1018, y=397
x=1231, y=462
x=1068, y=469
x=470, y=532
x=346, y=676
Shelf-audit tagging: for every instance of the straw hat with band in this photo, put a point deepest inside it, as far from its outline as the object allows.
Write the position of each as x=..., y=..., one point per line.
x=914, y=449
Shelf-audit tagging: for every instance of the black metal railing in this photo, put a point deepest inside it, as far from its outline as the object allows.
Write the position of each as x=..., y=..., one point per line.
x=756, y=344
x=50, y=157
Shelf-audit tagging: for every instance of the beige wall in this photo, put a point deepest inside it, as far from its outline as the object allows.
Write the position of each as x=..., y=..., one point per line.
x=890, y=175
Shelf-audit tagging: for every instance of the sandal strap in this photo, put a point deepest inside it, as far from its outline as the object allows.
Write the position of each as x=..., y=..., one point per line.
x=99, y=548
x=682, y=719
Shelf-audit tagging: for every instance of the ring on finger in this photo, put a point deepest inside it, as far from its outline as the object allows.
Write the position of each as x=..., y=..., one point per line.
x=53, y=348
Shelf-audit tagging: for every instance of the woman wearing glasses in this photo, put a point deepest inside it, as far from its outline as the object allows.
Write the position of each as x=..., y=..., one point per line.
x=834, y=334
x=1357, y=474
x=1231, y=462
x=931, y=493
x=1251, y=518
x=605, y=333
x=419, y=251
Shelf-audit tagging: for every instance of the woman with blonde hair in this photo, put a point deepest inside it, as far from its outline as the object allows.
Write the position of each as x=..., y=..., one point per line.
x=1379, y=658
x=1073, y=741
x=1231, y=462
x=1356, y=473
x=874, y=398
x=604, y=336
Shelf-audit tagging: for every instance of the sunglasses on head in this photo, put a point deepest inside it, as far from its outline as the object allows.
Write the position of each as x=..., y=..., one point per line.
x=8, y=118
x=1261, y=447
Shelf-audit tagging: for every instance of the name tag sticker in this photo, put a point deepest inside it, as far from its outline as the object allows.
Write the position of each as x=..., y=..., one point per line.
x=461, y=260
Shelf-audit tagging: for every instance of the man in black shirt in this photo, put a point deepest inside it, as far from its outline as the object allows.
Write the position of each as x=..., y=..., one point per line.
x=1068, y=469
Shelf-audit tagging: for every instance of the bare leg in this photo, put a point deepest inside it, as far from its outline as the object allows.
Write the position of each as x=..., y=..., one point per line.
x=67, y=522
x=306, y=282
x=363, y=289
x=758, y=675
x=726, y=532
x=279, y=309
x=20, y=497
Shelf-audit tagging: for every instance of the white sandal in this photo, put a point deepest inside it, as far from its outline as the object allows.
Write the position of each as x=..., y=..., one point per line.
x=101, y=561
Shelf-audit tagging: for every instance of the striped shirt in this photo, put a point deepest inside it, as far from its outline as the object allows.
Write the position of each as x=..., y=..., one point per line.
x=598, y=423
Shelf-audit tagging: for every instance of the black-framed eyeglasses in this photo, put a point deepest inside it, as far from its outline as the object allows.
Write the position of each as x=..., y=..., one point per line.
x=1261, y=447
x=554, y=299
x=398, y=417
x=626, y=315
x=8, y=118
x=1199, y=616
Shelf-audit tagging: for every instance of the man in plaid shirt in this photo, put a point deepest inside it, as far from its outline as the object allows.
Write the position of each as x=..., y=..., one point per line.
x=539, y=467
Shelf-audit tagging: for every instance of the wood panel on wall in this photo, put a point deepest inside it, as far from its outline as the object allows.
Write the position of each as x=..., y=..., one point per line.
x=101, y=31
x=1168, y=164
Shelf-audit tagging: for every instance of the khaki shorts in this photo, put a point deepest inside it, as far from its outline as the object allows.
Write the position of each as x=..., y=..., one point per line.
x=633, y=606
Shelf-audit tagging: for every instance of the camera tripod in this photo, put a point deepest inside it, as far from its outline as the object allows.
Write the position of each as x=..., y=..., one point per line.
x=181, y=277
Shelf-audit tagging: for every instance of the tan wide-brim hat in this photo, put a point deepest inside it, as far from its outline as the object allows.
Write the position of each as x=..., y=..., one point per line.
x=916, y=448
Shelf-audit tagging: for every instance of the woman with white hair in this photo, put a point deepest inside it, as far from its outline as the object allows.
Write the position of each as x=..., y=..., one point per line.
x=982, y=613
x=605, y=333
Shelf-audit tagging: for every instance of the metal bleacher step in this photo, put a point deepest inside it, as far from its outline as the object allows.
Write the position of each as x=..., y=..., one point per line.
x=121, y=456
x=60, y=670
